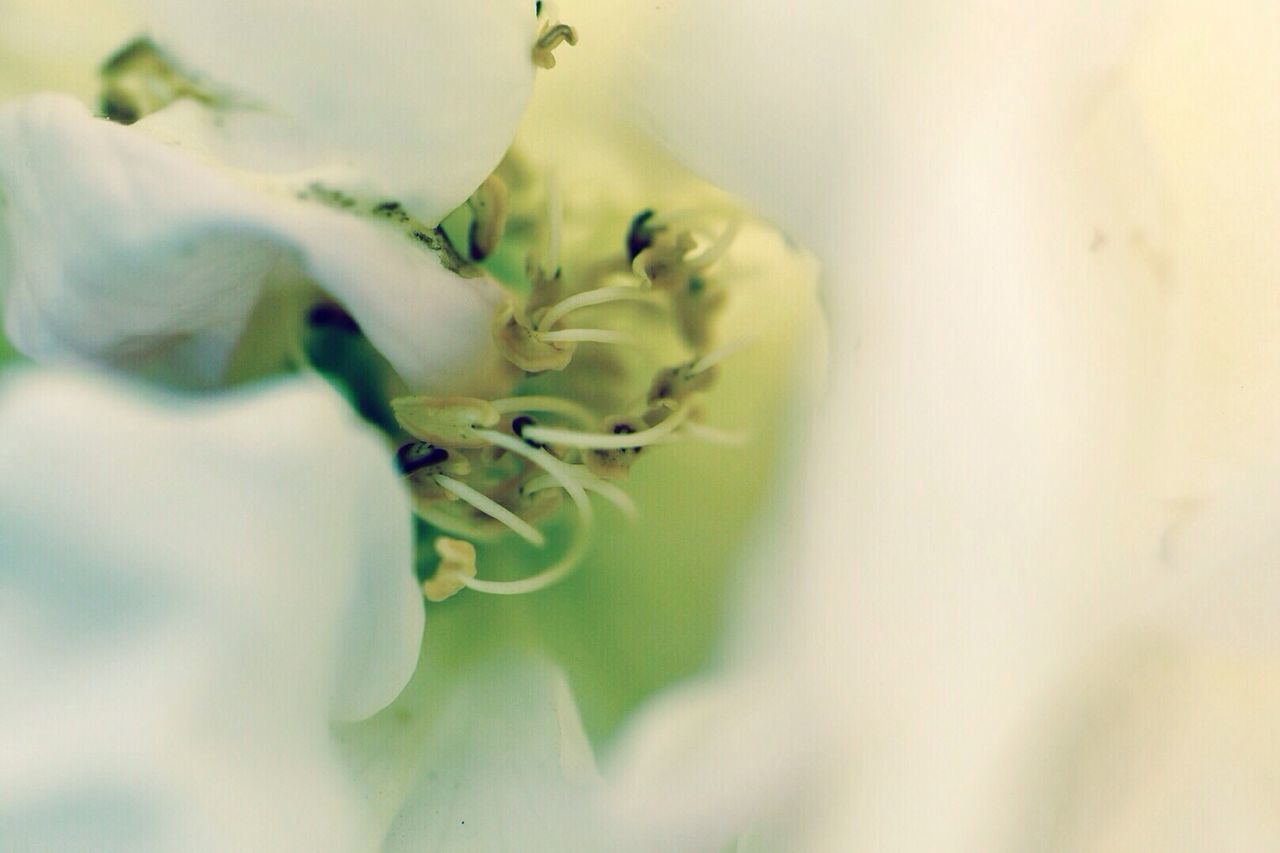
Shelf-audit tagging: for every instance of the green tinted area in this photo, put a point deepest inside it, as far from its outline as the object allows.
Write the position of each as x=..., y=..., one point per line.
x=8, y=355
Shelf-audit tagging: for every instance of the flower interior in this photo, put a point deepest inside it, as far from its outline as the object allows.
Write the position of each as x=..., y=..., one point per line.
x=610, y=335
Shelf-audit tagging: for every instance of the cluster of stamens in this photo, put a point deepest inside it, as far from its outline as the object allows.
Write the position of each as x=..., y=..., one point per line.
x=481, y=469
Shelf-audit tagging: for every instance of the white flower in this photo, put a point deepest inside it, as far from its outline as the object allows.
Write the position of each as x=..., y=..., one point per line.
x=1030, y=593
x=195, y=198
x=1058, y=548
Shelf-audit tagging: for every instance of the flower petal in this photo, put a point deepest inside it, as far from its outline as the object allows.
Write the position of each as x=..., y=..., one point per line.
x=749, y=94
x=177, y=583
x=507, y=767
x=426, y=95
x=127, y=250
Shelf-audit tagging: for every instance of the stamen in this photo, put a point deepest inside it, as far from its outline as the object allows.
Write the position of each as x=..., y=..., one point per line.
x=717, y=249
x=521, y=346
x=141, y=79
x=603, y=488
x=458, y=518
x=555, y=405
x=550, y=39
x=457, y=565
x=609, y=441
x=544, y=460
x=599, y=296
x=493, y=509
x=416, y=455
x=557, y=571
x=446, y=421
x=640, y=234
x=595, y=336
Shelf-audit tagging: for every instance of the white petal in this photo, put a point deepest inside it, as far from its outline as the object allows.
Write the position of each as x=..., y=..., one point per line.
x=703, y=764
x=507, y=767
x=422, y=98
x=177, y=583
x=749, y=94
x=121, y=247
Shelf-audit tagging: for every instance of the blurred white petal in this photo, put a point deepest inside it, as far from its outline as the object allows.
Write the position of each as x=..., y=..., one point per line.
x=1063, y=292
x=127, y=250
x=748, y=94
x=180, y=585
x=506, y=767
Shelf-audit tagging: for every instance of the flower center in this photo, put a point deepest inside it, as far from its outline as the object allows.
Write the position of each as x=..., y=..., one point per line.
x=581, y=412
x=612, y=346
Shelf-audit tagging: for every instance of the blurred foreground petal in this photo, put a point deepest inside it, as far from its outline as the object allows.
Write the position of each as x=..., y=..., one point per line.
x=187, y=592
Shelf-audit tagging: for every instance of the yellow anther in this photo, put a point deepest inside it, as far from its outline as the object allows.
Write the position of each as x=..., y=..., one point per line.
x=445, y=421
x=551, y=38
x=457, y=561
x=489, y=210
x=522, y=346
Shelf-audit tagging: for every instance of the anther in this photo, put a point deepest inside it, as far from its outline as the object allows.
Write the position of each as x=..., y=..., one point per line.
x=641, y=233
x=445, y=421
x=610, y=440
x=551, y=38
x=457, y=563
x=523, y=347
x=140, y=79
x=417, y=455
x=615, y=463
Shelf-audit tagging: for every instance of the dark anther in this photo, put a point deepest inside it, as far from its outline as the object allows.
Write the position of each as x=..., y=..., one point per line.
x=519, y=424
x=330, y=315
x=622, y=429
x=639, y=234
x=422, y=237
x=118, y=110
x=416, y=455
x=696, y=286
x=537, y=7
x=387, y=207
